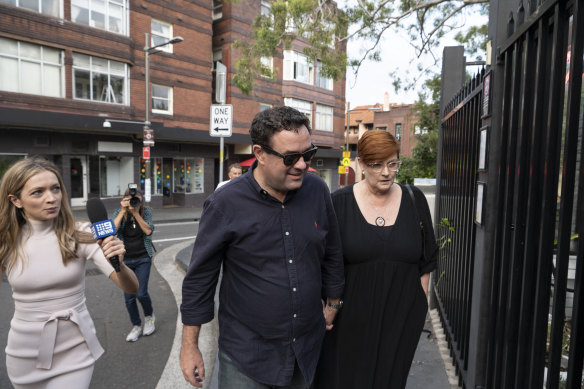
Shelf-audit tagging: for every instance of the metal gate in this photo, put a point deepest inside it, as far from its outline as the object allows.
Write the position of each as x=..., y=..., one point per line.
x=509, y=286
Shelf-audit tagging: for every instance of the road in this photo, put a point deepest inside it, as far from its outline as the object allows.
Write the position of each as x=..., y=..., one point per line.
x=107, y=308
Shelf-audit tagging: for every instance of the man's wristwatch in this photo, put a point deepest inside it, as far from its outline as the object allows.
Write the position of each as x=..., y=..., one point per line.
x=334, y=306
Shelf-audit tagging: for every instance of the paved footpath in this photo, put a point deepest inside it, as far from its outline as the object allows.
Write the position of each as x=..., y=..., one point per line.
x=153, y=361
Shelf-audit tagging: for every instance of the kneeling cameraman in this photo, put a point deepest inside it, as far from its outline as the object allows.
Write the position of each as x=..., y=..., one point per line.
x=134, y=225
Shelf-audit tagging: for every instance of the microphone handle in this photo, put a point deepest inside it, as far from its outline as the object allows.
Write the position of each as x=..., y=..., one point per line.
x=115, y=261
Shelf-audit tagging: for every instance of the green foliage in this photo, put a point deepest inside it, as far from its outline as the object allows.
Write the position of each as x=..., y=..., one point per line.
x=422, y=164
x=474, y=40
x=327, y=29
x=318, y=24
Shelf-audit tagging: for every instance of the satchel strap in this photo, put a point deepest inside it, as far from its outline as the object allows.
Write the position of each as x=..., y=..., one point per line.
x=411, y=192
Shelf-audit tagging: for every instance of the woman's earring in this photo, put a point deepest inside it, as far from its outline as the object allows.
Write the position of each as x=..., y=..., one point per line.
x=363, y=172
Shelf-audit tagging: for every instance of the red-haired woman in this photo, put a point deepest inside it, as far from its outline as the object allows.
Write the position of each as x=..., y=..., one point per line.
x=373, y=341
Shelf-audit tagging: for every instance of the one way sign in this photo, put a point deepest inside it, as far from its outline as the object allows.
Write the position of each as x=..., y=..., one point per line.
x=221, y=120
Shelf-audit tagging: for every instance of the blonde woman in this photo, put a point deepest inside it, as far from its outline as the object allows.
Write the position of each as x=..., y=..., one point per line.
x=52, y=341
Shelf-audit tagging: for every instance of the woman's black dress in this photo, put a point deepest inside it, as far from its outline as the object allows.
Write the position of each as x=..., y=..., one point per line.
x=376, y=333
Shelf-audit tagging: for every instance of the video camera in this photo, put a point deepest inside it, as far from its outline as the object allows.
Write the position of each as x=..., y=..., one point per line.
x=134, y=200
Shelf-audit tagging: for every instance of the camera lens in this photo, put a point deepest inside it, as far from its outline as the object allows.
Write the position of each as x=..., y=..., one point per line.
x=135, y=202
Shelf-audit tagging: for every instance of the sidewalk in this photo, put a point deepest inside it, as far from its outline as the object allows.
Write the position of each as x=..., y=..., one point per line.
x=428, y=367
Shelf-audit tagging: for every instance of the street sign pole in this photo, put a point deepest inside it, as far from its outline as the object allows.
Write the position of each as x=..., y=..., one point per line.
x=221, y=126
x=221, y=149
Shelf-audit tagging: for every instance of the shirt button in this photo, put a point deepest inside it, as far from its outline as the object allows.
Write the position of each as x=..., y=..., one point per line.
x=294, y=289
x=290, y=261
x=287, y=233
x=283, y=206
x=294, y=315
x=294, y=340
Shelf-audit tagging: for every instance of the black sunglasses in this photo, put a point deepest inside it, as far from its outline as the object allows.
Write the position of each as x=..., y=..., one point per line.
x=291, y=159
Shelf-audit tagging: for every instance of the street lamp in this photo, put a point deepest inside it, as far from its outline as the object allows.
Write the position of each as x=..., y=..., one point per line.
x=148, y=139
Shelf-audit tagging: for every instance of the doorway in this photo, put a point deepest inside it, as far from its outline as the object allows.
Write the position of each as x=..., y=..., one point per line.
x=78, y=175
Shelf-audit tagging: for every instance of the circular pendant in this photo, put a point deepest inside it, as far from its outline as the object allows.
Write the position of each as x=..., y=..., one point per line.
x=380, y=221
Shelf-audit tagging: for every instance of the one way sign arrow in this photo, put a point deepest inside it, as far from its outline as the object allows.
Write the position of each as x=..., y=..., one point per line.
x=221, y=120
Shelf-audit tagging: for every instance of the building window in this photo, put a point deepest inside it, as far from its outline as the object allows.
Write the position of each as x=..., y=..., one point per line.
x=114, y=175
x=161, y=32
x=47, y=7
x=99, y=79
x=217, y=9
x=268, y=64
x=398, y=131
x=263, y=106
x=297, y=67
x=217, y=57
x=265, y=8
x=324, y=118
x=303, y=106
x=29, y=68
x=321, y=81
x=381, y=128
x=188, y=175
x=109, y=15
x=161, y=99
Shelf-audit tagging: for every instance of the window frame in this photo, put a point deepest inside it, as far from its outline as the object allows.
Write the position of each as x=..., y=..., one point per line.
x=293, y=61
x=126, y=97
x=398, y=131
x=217, y=11
x=42, y=64
x=328, y=83
x=170, y=99
x=324, y=121
x=124, y=4
x=302, y=106
x=168, y=47
x=39, y=7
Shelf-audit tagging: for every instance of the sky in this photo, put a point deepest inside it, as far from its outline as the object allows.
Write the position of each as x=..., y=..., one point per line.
x=373, y=79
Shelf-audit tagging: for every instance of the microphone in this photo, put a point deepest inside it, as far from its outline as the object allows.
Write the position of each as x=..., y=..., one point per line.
x=101, y=226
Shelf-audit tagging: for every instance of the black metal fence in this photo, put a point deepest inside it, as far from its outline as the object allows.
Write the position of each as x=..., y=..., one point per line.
x=509, y=285
x=453, y=281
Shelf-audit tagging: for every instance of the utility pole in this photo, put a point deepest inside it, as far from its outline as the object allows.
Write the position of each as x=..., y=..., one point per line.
x=148, y=139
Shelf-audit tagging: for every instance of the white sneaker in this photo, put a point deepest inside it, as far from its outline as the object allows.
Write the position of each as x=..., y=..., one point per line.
x=149, y=325
x=134, y=334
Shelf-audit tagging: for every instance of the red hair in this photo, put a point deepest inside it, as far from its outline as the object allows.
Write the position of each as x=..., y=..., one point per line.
x=376, y=146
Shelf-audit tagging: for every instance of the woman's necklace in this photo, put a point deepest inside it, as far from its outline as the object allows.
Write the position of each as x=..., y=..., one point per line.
x=133, y=222
x=380, y=220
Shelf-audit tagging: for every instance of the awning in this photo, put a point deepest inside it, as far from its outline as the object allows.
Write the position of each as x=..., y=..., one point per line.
x=249, y=162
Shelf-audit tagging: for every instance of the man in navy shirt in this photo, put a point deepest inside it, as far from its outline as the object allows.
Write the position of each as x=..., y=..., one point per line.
x=275, y=232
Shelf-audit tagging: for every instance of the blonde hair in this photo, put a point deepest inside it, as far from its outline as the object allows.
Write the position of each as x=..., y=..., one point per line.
x=12, y=219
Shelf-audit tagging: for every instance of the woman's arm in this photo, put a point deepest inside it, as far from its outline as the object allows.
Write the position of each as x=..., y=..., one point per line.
x=120, y=213
x=125, y=279
x=425, y=279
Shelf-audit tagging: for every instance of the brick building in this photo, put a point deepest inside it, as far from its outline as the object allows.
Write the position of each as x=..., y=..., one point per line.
x=298, y=83
x=399, y=119
x=68, y=65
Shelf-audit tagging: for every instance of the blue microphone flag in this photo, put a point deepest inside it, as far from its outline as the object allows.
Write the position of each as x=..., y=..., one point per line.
x=103, y=229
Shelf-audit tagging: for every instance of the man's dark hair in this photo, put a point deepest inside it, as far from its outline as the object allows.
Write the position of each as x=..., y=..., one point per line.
x=272, y=120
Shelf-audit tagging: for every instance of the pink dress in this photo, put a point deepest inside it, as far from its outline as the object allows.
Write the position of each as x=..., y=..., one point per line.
x=52, y=340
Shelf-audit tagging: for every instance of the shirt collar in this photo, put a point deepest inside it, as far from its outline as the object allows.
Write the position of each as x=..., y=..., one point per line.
x=262, y=192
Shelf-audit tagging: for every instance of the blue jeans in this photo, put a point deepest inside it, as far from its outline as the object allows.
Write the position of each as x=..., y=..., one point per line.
x=140, y=266
x=230, y=377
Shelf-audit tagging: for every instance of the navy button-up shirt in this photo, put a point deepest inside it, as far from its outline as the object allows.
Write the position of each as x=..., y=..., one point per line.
x=278, y=259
